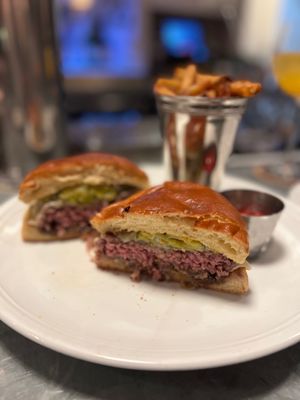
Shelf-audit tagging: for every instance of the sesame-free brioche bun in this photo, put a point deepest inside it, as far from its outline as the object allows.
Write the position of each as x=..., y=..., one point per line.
x=181, y=210
x=89, y=168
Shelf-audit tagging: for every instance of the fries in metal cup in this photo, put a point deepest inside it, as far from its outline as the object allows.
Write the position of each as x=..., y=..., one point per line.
x=200, y=114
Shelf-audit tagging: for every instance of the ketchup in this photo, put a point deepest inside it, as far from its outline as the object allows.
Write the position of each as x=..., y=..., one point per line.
x=250, y=210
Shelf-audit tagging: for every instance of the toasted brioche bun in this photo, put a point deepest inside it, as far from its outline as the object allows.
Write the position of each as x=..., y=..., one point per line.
x=88, y=168
x=235, y=283
x=181, y=210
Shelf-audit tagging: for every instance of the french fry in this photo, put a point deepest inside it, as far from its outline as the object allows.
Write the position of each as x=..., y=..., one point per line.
x=178, y=73
x=188, y=79
x=189, y=82
x=223, y=89
x=194, y=90
x=171, y=84
x=211, y=80
x=211, y=93
x=244, y=88
x=163, y=91
x=198, y=87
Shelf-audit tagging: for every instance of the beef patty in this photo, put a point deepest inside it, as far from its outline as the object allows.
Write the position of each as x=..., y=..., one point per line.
x=67, y=217
x=157, y=261
x=59, y=220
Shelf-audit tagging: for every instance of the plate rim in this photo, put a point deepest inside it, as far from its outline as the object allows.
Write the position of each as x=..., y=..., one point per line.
x=36, y=333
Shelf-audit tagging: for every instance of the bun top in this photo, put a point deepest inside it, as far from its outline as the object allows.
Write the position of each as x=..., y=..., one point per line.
x=186, y=198
x=88, y=168
x=191, y=206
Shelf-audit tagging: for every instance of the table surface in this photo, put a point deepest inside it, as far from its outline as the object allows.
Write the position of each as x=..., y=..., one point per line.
x=30, y=371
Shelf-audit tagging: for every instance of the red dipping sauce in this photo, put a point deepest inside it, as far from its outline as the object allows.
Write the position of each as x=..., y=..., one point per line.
x=250, y=210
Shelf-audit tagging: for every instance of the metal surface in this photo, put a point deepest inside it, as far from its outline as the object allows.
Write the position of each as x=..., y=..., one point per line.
x=260, y=227
x=29, y=371
x=33, y=127
x=198, y=135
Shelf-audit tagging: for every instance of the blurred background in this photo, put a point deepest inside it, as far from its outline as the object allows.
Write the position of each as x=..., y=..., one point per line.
x=77, y=75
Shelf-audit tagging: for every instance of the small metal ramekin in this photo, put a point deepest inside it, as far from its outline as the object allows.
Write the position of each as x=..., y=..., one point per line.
x=260, y=211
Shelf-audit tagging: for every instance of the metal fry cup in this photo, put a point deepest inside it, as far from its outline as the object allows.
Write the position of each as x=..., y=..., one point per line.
x=198, y=135
x=260, y=211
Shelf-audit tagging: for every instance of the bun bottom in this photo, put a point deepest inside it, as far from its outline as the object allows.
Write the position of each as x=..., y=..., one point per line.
x=235, y=283
x=33, y=234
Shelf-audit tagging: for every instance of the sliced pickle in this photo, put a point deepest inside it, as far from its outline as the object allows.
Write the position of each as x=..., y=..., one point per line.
x=162, y=240
x=87, y=194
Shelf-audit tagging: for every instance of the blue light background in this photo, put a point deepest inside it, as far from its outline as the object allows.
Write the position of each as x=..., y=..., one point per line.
x=184, y=38
x=102, y=40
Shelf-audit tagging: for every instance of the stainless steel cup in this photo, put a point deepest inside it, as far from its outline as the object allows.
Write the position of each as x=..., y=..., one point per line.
x=260, y=211
x=198, y=136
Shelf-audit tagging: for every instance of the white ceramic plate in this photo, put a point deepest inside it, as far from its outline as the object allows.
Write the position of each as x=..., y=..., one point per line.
x=52, y=294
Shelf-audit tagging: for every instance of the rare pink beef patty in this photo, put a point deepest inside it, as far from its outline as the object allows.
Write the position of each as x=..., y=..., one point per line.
x=59, y=220
x=152, y=260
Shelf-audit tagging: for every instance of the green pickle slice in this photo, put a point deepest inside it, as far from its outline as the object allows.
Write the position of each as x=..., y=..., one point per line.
x=163, y=240
x=87, y=194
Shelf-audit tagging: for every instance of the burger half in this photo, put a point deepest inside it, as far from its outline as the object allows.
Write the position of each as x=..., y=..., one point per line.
x=178, y=231
x=64, y=194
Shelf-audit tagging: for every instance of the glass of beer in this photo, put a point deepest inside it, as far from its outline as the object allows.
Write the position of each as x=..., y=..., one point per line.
x=286, y=69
